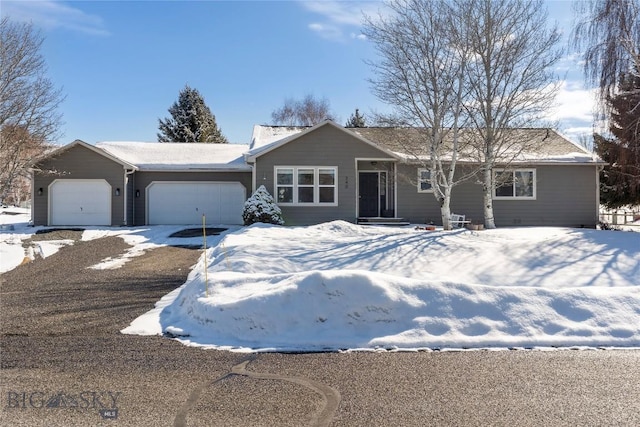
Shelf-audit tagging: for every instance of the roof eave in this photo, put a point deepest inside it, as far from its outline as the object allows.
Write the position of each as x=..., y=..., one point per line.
x=211, y=169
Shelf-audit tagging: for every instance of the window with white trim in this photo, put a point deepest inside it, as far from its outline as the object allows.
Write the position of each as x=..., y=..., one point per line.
x=284, y=185
x=424, y=181
x=514, y=184
x=306, y=185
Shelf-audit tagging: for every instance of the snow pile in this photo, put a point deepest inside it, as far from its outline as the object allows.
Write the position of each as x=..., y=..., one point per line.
x=355, y=309
x=342, y=286
x=14, y=228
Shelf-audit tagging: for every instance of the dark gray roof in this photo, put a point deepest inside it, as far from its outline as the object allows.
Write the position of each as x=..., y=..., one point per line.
x=523, y=144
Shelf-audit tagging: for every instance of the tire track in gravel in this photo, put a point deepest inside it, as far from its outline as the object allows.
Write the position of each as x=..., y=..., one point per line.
x=330, y=396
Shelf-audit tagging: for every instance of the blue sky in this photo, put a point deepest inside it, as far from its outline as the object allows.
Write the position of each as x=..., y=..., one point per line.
x=121, y=64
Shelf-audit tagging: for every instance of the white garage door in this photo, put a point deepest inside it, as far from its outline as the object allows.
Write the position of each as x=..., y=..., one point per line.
x=80, y=202
x=186, y=202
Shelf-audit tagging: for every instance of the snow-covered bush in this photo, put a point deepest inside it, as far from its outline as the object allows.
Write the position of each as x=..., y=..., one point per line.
x=261, y=207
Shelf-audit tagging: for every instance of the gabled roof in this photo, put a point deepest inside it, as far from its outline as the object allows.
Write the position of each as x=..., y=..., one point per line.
x=526, y=145
x=58, y=151
x=162, y=156
x=543, y=146
x=265, y=138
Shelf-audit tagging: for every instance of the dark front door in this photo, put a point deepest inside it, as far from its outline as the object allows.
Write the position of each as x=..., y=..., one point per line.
x=368, y=194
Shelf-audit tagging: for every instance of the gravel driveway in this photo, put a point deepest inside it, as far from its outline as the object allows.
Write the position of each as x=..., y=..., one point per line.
x=60, y=295
x=59, y=333
x=64, y=363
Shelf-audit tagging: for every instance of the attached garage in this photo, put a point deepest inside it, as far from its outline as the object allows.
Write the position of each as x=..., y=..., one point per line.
x=186, y=202
x=140, y=183
x=80, y=202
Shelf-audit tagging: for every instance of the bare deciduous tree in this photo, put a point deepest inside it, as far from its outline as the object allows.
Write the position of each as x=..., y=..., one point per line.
x=17, y=151
x=308, y=111
x=421, y=74
x=28, y=102
x=492, y=57
x=510, y=77
x=609, y=31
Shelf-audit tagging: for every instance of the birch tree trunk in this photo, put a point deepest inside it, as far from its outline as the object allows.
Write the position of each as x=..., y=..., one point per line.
x=487, y=199
x=445, y=210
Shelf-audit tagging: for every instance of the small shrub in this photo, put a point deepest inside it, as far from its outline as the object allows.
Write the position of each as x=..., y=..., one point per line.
x=606, y=226
x=261, y=207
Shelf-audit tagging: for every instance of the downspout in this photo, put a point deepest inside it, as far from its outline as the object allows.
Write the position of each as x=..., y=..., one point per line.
x=254, y=176
x=356, y=182
x=33, y=197
x=599, y=168
x=395, y=189
x=126, y=196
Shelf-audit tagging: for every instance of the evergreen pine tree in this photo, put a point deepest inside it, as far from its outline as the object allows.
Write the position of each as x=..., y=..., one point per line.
x=356, y=120
x=620, y=179
x=261, y=207
x=190, y=121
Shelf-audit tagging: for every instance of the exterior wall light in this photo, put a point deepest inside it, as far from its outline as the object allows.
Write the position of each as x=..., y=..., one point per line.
x=137, y=193
x=117, y=191
x=40, y=191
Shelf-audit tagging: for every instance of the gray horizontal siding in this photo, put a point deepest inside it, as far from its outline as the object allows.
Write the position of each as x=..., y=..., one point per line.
x=566, y=195
x=77, y=162
x=414, y=206
x=325, y=146
x=141, y=180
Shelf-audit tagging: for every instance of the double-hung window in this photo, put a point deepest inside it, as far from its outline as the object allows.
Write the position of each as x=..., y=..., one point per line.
x=306, y=185
x=514, y=184
x=424, y=181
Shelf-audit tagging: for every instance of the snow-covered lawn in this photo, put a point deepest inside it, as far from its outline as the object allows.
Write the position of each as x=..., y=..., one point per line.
x=342, y=286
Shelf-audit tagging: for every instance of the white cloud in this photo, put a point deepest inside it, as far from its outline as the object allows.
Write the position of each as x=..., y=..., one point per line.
x=570, y=62
x=580, y=135
x=575, y=112
x=330, y=32
x=52, y=15
x=340, y=14
x=574, y=103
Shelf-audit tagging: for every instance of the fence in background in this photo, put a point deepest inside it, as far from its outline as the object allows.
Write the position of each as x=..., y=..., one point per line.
x=622, y=216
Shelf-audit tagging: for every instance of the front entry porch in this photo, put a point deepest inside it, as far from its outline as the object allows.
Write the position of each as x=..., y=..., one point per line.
x=376, y=193
x=382, y=221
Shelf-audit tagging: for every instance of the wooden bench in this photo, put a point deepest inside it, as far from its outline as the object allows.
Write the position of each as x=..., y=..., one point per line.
x=458, y=221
